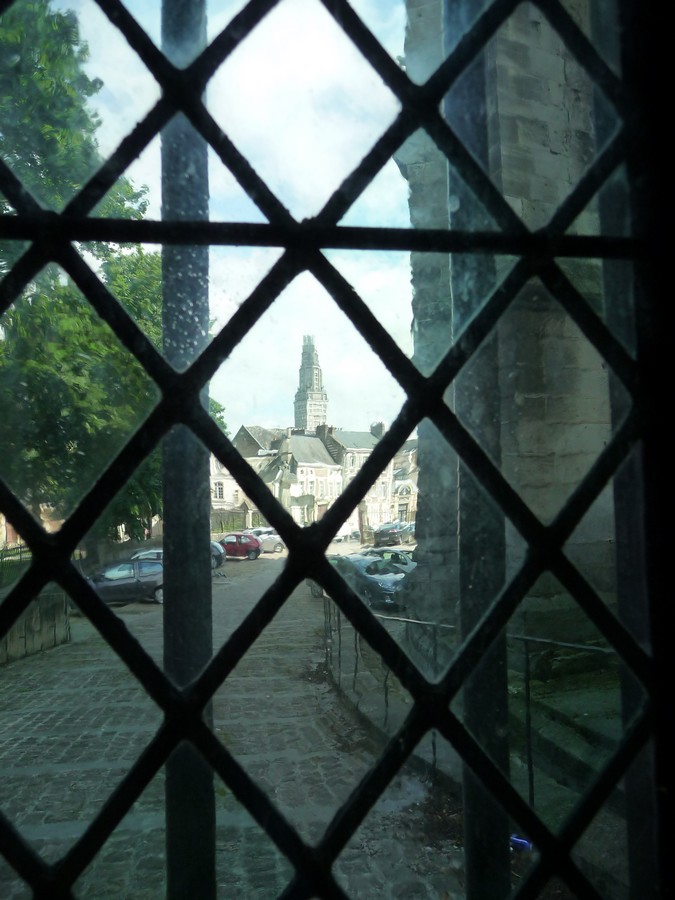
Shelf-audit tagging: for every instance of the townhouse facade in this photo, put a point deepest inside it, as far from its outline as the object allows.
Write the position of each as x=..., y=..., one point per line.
x=309, y=479
x=404, y=486
x=351, y=449
x=231, y=507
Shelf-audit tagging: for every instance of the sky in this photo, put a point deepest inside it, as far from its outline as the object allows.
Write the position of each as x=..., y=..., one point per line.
x=304, y=119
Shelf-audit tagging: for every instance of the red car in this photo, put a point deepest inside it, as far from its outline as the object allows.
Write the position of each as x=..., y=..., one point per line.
x=239, y=543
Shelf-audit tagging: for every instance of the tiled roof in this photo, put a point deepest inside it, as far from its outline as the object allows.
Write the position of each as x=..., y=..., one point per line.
x=265, y=436
x=355, y=440
x=308, y=450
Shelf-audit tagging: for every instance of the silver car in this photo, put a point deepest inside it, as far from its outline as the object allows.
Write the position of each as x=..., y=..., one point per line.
x=271, y=543
x=217, y=554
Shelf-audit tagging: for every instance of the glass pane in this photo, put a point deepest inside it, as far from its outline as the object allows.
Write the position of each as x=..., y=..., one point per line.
x=229, y=201
x=604, y=548
x=567, y=696
x=554, y=390
x=283, y=385
x=529, y=114
x=72, y=395
x=63, y=111
x=416, y=826
x=425, y=392
x=322, y=125
x=73, y=721
x=607, y=286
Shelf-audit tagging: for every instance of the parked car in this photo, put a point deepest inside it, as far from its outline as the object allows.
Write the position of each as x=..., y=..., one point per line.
x=401, y=559
x=259, y=532
x=376, y=581
x=271, y=543
x=129, y=581
x=217, y=554
x=155, y=553
x=388, y=534
x=408, y=533
x=347, y=534
x=241, y=544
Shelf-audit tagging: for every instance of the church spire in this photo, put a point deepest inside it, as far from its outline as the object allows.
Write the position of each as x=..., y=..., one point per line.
x=311, y=401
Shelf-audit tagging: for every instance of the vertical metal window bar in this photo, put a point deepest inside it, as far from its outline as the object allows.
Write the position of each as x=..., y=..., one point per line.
x=188, y=627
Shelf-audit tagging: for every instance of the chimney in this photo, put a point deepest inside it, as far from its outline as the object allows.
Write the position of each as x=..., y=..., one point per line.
x=377, y=429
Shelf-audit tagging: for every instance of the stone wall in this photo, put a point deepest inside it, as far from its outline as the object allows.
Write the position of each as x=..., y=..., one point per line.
x=536, y=396
x=43, y=625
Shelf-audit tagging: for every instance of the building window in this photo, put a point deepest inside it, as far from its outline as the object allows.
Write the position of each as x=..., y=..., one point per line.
x=491, y=236
x=220, y=490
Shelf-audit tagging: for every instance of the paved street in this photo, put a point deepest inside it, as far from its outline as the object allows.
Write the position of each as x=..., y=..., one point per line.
x=72, y=720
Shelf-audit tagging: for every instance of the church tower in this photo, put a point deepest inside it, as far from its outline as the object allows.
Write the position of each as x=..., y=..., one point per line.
x=311, y=401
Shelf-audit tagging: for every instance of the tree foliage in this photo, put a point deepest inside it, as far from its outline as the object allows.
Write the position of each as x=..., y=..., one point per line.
x=71, y=395
x=47, y=128
x=217, y=412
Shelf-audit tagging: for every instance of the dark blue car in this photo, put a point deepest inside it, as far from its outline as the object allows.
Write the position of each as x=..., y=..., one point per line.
x=130, y=581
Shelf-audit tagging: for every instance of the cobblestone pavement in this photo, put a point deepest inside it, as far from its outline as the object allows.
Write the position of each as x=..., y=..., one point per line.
x=73, y=720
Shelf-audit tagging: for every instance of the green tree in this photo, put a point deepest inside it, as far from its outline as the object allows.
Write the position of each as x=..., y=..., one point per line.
x=47, y=128
x=70, y=394
x=217, y=412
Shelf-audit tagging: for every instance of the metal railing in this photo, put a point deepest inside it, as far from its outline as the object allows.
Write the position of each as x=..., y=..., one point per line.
x=13, y=562
x=363, y=678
